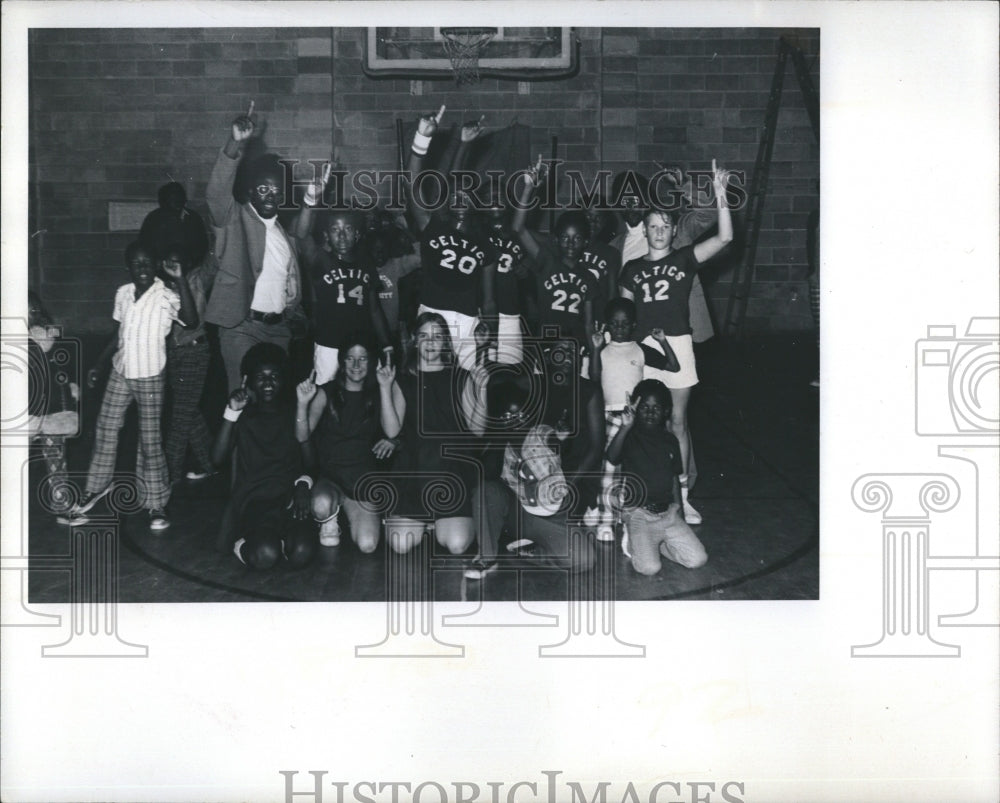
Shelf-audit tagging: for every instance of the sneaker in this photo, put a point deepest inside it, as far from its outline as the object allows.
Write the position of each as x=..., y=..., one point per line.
x=72, y=518
x=522, y=546
x=194, y=476
x=591, y=516
x=605, y=532
x=236, y=550
x=158, y=520
x=88, y=501
x=329, y=531
x=691, y=516
x=479, y=567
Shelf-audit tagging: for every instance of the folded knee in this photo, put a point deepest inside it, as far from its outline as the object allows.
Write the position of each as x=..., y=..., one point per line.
x=647, y=568
x=300, y=554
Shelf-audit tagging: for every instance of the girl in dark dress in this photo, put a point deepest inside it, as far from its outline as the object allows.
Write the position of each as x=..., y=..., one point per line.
x=444, y=406
x=353, y=421
x=268, y=515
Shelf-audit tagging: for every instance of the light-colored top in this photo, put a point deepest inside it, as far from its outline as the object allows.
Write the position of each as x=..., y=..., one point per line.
x=181, y=335
x=621, y=371
x=269, y=289
x=634, y=245
x=145, y=324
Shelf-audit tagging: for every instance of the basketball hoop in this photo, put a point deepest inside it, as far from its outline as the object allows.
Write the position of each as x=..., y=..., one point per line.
x=463, y=46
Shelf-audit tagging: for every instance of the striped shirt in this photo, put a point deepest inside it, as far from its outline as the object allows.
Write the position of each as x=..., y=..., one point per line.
x=145, y=324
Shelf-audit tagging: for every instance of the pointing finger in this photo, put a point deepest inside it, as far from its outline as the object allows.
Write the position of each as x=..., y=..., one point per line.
x=440, y=114
x=312, y=376
x=327, y=169
x=714, y=169
x=250, y=110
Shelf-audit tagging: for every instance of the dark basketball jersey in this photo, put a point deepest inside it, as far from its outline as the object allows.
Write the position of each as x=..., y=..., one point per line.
x=505, y=287
x=453, y=263
x=660, y=289
x=343, y=298
x=562, y=294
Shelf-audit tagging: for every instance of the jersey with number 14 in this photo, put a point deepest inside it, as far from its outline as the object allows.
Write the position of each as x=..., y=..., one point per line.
x=660, y=289
x=453, y=263
x=343, y=299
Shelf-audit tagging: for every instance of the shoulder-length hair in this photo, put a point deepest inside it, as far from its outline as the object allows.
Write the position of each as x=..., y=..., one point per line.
x=336, y=389
x=412, y=359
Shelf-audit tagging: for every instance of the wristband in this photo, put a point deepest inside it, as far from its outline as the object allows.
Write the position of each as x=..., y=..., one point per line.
x=310, y=198
x=229, y=414
x=420, y=144
x=306, y=479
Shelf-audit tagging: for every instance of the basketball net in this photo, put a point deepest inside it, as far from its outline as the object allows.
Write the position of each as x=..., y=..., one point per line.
x=463, y=46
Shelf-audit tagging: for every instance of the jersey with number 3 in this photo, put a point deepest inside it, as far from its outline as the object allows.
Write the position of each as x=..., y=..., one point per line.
x=453, y=263
x=343, y=302
x=660, y=289
x=509, y=254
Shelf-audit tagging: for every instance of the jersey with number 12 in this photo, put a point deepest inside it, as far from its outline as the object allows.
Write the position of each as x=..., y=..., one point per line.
x=660, y=289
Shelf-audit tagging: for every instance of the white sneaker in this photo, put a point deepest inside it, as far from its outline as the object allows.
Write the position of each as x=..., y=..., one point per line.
x=329, y=531
x=236, y=550
x=691, y=516
x=606, y=533
x=591, y=516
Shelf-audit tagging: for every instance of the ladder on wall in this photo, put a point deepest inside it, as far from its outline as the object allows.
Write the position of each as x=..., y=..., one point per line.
x=742, y=282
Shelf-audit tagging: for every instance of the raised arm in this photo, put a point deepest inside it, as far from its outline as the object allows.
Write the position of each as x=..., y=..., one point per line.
x=532, y=178
x=226, y=437
x=474, y=399
x=667, y=361
x=188, y=313
x=469, y=133
x=219, y=192
x=597, y=345
x=710, y=247
x=426, y=127
x=302, y=225
x=393, y=405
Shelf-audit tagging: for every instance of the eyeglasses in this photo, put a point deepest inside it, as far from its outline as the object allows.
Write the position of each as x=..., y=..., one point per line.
x=264, y=190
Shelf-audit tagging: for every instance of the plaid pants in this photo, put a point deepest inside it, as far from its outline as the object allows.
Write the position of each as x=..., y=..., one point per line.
x=609, y=500
x=187, y=367
x=151, y=465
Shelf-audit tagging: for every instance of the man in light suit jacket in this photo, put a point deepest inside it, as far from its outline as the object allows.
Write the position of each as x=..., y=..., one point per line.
x=258, y=286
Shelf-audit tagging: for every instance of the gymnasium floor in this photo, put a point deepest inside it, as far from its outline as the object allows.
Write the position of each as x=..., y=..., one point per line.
x=755, y=423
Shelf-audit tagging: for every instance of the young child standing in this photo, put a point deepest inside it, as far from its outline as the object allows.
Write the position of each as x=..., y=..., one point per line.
x=145, y=309
x=618, y=366
x=660, y=284
x=650, y=454
x=269, y=515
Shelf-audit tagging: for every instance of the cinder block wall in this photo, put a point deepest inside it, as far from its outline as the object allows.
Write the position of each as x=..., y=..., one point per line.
x=114, y=112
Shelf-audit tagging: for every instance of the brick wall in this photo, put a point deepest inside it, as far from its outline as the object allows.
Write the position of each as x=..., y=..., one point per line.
x=115, y=111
